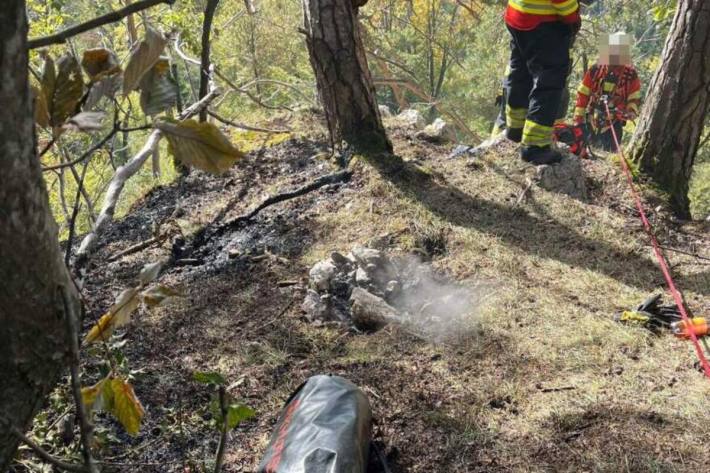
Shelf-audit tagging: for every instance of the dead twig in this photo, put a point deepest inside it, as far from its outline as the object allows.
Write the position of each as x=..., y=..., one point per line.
x=85, y=427
x=223, y=437
x=524, y=193
x=46, y=456
x=340, y=176
x=111, y=17
x=683, y=252
x=137, y=247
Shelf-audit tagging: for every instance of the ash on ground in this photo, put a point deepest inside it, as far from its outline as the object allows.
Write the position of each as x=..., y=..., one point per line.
x=368, y=290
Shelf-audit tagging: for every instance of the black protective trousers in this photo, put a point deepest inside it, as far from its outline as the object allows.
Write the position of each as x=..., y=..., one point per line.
x=539, y=65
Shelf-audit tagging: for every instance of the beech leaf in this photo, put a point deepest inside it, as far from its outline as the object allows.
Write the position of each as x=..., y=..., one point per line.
x=85, y=121
x=119, y=314
x=149, y=272
x=143, y=58
x=121, y=401
x=201, y=145
x=99, y=63
x=41, y=109
x=158, y=295
x=158, y=90
x=63, y=90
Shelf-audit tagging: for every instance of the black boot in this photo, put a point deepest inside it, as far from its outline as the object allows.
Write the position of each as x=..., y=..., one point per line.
x=514, y=134
x=539, y=155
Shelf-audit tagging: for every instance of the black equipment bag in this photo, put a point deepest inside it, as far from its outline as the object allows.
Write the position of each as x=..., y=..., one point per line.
x=324, y=428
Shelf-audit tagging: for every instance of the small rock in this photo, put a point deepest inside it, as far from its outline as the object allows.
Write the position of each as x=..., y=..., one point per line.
x=315, y=307
x=339, y=259
x=410, y=118
x=364, y=256
x=438, y=132
x=321, y=274
x=461, y=151
x=393, y=288
x=385, y=111
x=361, y=277
x=565, y=177
x=371, y=312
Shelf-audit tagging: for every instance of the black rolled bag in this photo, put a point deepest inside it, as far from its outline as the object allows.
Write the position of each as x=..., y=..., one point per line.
x=324, y=428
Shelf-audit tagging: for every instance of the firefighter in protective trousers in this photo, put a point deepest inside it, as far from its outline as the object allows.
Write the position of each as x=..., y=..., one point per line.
x=613, y=81
x=542, y=32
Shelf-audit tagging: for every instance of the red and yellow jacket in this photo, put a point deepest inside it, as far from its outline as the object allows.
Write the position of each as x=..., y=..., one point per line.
x=527, y=15
x=620, y=83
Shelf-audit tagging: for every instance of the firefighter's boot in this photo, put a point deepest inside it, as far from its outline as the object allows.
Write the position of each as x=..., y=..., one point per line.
x=514, y=134
x=539, y=155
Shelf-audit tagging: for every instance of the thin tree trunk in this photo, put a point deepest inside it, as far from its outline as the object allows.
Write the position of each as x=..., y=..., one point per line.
x=205, y=56
x=671, y=124
x=344, y=83
x=33, y=339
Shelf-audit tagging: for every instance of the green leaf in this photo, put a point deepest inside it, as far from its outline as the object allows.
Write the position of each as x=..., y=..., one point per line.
x=199, y=144
x=207, y=377
x=143, y=58
x=121, y=401
x=158, y=90
x=237, y=413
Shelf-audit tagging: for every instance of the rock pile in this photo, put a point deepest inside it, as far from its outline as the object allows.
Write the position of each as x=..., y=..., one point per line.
x=368, y=290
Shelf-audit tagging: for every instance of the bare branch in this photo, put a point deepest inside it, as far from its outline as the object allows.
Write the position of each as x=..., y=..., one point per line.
x=85, y=426
x=111, y=17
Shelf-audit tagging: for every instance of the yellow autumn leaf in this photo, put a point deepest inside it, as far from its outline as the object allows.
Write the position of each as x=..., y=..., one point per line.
x=143, y=58
x=41, y=108
x=119, y=314
x=121, y=401
x=91, y=396
x=201, y=145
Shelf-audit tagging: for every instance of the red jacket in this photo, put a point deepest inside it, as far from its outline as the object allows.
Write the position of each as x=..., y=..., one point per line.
x=620, y=83
x=527, y=15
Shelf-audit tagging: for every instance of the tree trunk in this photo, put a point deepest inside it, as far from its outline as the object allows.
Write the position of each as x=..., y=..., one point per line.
x=671, y=123
x=344, y=83
x=33, y=341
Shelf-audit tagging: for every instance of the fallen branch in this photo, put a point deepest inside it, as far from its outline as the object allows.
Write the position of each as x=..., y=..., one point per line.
x=46, y=456
x=683, y=252
x=111, y=17
x=340, y=176
x=123, y=173
x=136, y=248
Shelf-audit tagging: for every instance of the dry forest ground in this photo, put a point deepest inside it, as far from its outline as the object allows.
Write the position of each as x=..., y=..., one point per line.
x=546, y=382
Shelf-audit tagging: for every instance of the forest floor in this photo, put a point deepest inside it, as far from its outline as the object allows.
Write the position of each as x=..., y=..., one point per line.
x=548, y=381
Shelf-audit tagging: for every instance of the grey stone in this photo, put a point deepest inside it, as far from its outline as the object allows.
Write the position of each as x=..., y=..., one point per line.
x=438, y=132
x=410, y=118
x=370, y=312
x=321, y=274
x=364, y=256
x=385, y=111
x=565, y=177
x=315, y=307
x=361, y=277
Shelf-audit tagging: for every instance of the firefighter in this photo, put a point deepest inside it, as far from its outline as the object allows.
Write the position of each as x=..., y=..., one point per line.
x=542, y=32
x=613, y=81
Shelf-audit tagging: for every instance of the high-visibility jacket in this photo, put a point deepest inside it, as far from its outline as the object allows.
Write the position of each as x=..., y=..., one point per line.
x=621, y=85
x=527, y=15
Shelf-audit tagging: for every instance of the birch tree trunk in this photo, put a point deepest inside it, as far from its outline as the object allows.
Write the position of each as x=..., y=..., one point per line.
x=671, y=124
x=33, y=342
x=344, y=82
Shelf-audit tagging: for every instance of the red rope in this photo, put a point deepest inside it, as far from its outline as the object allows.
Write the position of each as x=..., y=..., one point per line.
x=657, y=249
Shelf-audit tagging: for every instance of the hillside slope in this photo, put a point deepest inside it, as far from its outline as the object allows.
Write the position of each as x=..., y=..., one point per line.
x=548, y=381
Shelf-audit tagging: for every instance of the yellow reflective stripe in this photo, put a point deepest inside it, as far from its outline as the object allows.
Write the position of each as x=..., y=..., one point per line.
x=584, y=90
x=535, y=134
x=560, y=121
x=579, y=111
x=635, y=96
x=566, y=8
x=534, y=7
x=608, y=86
x=507, y=70
x=544, y=7
x=515, y=117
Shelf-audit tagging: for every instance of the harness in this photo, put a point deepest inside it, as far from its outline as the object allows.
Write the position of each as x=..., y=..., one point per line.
x=607, y=84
